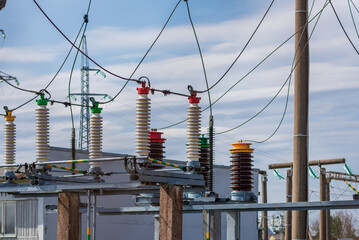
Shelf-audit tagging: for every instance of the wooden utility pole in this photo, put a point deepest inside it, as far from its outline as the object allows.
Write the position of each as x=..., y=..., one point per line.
x=300, y=134
x=288, y=214
x=264, y=200
x=68, y=218
x=322, y=214
x=171, y=212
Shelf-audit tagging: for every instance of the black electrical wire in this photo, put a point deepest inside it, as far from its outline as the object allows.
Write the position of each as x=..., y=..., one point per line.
x=144, y=56
x=19, y=88
x=241, y=52
x=254, y=68
x=341, y=25
x=351, y=14
x=62, y=65
x=288, y=92
x=94, y=62
x=201, y=56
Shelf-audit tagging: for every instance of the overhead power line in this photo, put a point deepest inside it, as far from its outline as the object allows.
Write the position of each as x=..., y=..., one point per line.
x=241, y=52
x=341, y=25
x=144, y=56
x=253, y=69
x=78, y=49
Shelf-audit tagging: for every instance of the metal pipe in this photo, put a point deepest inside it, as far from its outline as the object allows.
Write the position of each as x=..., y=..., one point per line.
x=311, y=163
x=74, y=161
x=88, y=215
x=94, y=211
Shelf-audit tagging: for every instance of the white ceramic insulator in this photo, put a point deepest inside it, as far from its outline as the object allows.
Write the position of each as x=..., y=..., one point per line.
x=9, y=143
x=42, y=134
x=95, y=138
x=193, y=131
x=143, y=114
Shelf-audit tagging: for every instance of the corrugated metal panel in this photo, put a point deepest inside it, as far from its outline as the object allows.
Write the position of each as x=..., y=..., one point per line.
x=27, y=219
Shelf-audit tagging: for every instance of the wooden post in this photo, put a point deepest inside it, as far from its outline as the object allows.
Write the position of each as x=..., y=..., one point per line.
x=171, y=212
x=288, y=214
x=68, y=218
x=327, y=215
x=322, y=214
x=264, y=200
x=213, y=218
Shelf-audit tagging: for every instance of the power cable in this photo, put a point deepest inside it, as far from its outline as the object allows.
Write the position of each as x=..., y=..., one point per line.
x=241, y=52
x=143, y=58
x=201, y=56
x=94, y=62
x=289, y=79
x=60, y=68
x=354, y=6
x=254, y=68
x=341, y=25
x=351, y=14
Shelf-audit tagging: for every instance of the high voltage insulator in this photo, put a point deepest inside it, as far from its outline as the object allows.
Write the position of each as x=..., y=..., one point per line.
x=204, y=159
x=193, y=129
x=9, y=142
x=143, y=109
x=42, y=130
x=241, y=167
x=156, y=147
x=95, y=135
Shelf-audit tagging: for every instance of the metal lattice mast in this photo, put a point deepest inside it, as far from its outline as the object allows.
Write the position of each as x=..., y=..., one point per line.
x=85, y=99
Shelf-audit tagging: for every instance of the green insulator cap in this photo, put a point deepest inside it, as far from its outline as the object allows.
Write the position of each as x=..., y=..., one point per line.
x=203, y=141
x=95, y=108
x=42, y=101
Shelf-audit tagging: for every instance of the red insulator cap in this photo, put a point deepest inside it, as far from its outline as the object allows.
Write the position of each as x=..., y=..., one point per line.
x=156, y=136
x=194, y=99
x=143, y=89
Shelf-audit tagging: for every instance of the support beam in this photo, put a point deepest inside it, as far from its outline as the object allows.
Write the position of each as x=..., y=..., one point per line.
x=288, y=214
x=322, y=213
x=68, y=219
x=311, y=163
x=233, y=225
x=171, y=212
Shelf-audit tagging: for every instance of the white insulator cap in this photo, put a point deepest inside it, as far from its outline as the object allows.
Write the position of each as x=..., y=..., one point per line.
x=143, y=109
x=9, y=141
x=95, y=138
x=42, y=134
x=193, y=132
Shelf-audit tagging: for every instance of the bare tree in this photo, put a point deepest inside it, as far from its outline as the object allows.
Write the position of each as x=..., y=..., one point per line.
x=342, y=224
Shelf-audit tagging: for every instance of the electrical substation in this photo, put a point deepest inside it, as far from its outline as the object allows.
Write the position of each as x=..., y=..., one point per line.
x=83, y=192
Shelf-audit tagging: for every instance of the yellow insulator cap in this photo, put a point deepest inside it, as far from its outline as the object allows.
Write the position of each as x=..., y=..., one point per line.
x=8, y=117
x=241, y=147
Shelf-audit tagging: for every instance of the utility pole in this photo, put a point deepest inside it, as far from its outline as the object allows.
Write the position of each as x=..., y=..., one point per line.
x=264, y=200
x=329, y=175
x=288, y=214
x=300, y=133
x=327, y=214
x=322, y=214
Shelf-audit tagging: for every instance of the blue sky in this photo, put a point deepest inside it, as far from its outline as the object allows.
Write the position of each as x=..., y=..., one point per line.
x=120, y=32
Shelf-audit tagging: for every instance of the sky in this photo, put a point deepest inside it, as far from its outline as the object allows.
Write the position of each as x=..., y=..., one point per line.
x=120, y=32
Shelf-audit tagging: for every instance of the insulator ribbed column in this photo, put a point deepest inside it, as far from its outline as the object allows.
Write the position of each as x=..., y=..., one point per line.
x=156, y=147
x=193, y=130
x=42, y=130
x=241, y=167
x=204, y=159
x=143, y=112
x=9, y=141
x=95, y=135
